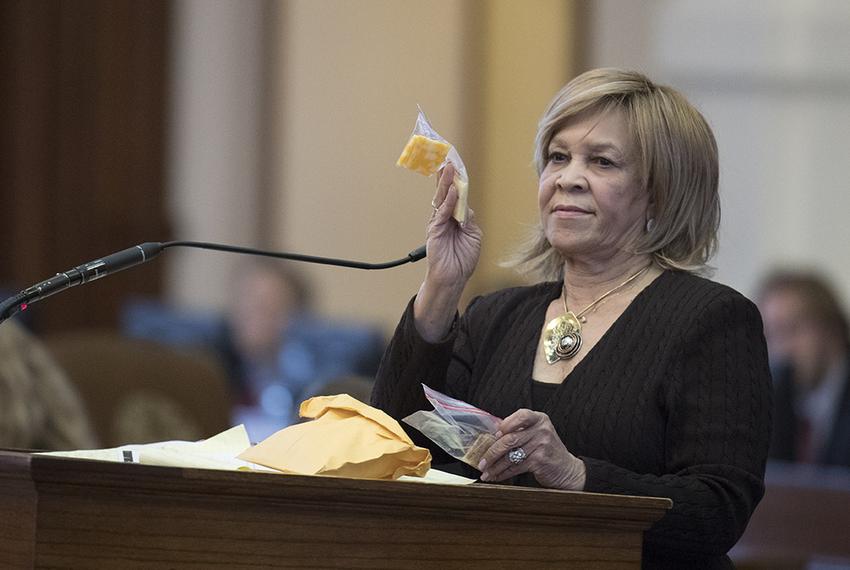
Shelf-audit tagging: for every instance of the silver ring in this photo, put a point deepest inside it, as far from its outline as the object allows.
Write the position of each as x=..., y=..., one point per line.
x=517, y=455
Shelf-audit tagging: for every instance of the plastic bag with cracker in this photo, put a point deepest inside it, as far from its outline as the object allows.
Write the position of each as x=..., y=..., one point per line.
x=460, y=429
x=426, y=152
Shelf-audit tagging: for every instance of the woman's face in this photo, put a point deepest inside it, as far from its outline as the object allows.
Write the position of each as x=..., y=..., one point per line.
x=591, y=199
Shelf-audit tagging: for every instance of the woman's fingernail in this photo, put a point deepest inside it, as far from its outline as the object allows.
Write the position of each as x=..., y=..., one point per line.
x=485, y=476
x=482, y=465
x=498, y=434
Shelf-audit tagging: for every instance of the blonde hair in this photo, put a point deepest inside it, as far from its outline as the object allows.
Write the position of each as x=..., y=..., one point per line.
x=678, y=166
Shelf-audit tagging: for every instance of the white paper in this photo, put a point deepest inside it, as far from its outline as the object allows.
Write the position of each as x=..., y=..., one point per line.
x=217, y=452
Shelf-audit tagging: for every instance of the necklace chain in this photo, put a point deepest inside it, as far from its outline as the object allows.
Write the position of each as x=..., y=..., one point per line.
x=562, y=335
x=602, y=297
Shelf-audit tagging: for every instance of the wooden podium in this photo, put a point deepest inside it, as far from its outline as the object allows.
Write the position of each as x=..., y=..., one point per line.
x=71, y=513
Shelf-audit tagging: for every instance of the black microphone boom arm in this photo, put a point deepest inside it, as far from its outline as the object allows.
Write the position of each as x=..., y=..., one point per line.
x=412, y=257
x=146, y=251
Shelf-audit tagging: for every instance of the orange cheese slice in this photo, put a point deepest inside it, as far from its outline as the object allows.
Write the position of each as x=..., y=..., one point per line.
x=423, y=155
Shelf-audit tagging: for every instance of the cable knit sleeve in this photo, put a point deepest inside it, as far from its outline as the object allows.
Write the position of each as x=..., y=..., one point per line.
x=410, y=361
x=717, y=432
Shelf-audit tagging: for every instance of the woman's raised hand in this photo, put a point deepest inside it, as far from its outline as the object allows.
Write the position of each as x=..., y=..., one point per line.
x=453, y=248
x=453, y=252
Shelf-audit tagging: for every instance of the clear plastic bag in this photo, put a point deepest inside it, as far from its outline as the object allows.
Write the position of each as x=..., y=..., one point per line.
x=426, y=152
x=460, y=429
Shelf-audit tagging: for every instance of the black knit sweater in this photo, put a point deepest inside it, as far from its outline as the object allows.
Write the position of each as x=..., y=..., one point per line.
x=673, y=401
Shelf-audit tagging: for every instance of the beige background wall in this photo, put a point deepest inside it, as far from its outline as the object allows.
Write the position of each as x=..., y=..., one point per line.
x=351, y=74
x=773, y=79
x=349, y=77
x=528, y=55
x=216, y=143
x=289, y=117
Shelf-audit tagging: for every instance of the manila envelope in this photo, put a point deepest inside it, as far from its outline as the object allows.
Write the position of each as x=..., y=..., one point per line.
x=345, y=438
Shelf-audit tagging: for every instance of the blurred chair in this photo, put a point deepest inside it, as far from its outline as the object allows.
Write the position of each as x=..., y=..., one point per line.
x=802, y=523
x=274, y=359
x=358, y=387
x=143, y=317
x=140, y=391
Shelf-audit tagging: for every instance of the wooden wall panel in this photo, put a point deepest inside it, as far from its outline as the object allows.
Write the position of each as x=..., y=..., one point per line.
x=82, y=149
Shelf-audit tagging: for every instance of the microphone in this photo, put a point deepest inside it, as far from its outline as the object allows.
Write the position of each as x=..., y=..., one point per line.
x=146, y=251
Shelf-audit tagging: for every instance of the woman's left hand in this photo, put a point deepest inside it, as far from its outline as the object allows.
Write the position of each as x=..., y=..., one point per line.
x=546, y=456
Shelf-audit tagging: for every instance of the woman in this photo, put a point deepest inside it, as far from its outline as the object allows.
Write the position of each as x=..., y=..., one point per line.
x=622, y=371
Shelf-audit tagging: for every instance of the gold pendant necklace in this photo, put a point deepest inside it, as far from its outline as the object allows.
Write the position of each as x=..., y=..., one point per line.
x=562, y=336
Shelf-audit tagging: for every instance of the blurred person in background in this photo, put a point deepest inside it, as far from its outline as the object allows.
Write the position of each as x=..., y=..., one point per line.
x=39, y=407
x=276, y=348
x=267, y=298
x=809, y=346
x=279, y=350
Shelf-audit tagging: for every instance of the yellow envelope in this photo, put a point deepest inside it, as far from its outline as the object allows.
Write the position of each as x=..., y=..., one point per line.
x=346, y=438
